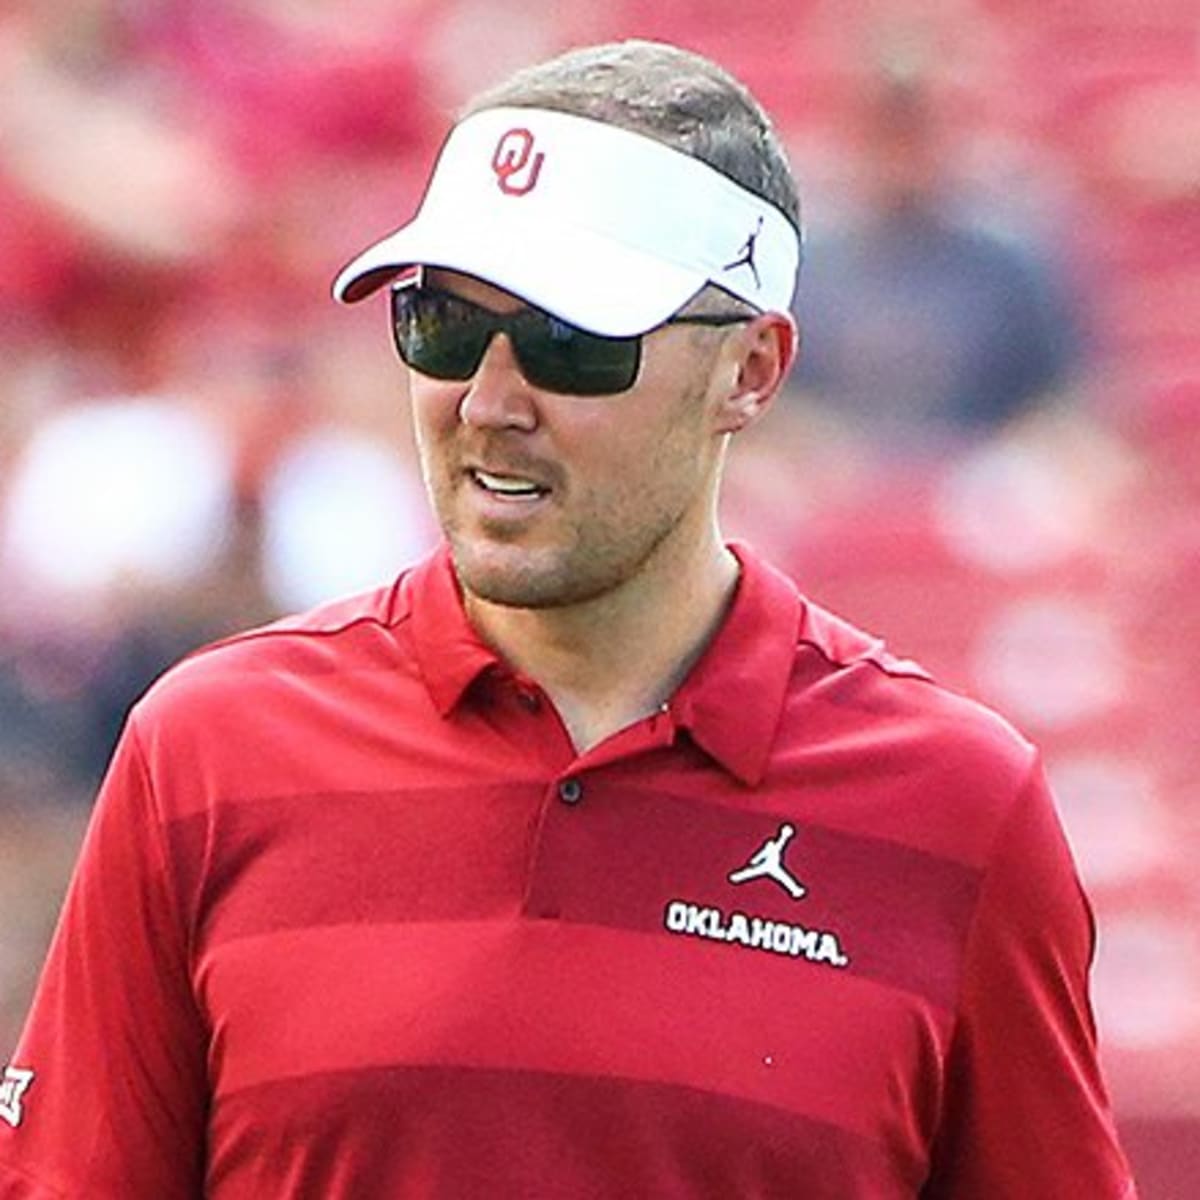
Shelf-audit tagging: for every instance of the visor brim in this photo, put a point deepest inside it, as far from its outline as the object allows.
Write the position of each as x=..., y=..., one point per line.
x=591, y=281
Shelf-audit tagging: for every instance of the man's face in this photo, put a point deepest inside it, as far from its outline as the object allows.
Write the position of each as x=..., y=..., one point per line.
x=548, y=499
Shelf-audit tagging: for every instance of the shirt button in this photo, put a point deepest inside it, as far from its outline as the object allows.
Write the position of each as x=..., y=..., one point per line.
x=570, y=791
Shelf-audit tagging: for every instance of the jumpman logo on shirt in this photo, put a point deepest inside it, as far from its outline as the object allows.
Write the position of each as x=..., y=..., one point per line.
x=745, y=256
x=767, y=863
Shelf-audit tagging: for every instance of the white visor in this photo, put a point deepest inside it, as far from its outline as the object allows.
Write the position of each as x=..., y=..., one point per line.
x=606, y=229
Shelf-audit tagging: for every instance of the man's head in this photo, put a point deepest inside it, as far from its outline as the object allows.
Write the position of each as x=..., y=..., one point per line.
x=609, y=186
x=578, y=212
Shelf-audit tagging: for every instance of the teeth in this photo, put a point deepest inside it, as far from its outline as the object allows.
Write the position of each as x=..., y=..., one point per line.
x=507, y=485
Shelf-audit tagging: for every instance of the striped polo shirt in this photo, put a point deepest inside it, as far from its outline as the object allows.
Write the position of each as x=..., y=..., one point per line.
x=354, y=919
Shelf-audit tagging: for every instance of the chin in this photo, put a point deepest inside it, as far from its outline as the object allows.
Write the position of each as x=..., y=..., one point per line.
x=514, y=578
x=505, y=575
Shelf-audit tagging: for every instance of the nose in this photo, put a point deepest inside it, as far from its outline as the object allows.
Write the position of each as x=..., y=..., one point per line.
x=497, y=396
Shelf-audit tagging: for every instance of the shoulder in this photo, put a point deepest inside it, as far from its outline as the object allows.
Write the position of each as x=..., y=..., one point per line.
x=834, y=693
x=858, y=672
x=346, y=635
x=897, y=741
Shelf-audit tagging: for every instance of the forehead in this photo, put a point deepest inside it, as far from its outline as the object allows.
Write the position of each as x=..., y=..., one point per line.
x=470, y=287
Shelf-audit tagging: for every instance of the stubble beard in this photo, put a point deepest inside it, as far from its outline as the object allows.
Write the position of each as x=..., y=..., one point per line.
x=594, y=552
x=586, y=563
x=586, y=553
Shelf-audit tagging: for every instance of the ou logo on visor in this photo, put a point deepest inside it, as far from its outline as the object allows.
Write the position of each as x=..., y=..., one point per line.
x=513, y=158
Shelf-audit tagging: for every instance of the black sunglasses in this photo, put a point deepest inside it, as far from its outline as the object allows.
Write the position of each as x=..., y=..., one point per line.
x=446, y=337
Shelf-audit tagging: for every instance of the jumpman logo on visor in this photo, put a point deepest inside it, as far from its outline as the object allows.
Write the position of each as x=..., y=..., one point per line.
x=745, y=256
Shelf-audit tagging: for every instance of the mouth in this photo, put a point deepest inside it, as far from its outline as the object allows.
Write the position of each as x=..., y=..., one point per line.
x=514, y=488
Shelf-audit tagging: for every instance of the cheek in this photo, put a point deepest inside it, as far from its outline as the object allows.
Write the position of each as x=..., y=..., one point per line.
x=434, y=410
x=654, y=463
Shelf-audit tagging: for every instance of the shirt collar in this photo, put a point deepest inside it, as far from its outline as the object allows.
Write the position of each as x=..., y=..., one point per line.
x=731, y=701
x=450, y=654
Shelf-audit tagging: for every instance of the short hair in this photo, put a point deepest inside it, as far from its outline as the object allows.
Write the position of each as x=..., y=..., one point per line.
x=663, y=92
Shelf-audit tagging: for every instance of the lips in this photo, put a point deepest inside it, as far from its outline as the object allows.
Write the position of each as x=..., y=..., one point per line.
x=509, y=487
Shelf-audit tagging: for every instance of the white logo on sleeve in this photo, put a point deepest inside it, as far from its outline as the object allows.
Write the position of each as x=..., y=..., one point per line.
x=767, y=863
x=12, y=1087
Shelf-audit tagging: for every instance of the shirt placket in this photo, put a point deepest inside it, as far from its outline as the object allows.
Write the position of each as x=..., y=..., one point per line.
x=565, y=835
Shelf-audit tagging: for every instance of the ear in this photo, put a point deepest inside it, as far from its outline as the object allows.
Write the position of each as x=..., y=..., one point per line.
x=761, y=355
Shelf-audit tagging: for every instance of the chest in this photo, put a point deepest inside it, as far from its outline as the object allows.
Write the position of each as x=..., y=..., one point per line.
x=642, y=935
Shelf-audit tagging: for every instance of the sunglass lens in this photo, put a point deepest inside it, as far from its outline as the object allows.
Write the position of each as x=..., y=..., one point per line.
x=439, y=335
x=563, y=358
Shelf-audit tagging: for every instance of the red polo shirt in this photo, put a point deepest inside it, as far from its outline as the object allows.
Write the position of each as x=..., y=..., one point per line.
x=353, y=919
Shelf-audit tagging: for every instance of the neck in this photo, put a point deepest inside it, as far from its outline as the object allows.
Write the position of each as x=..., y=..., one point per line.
x=614, y=659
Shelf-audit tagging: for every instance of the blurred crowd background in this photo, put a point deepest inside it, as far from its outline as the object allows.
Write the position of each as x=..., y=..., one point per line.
x=990, y=454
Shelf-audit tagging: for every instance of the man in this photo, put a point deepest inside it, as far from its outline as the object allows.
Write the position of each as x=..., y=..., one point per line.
x=437, y=892
x=927, y=328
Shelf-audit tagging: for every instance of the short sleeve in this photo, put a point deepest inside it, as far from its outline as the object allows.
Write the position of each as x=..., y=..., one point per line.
x=1025, y=1113
x=106, y=1089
